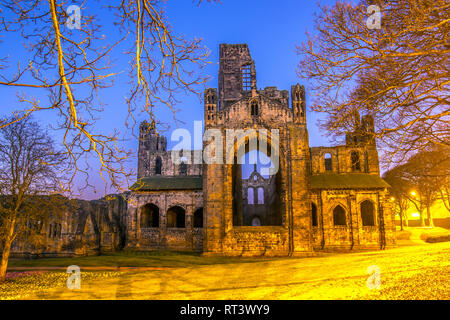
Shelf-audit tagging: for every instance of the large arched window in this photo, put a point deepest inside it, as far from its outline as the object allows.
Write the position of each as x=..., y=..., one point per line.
x=328, y=162
x=198, y=218
x=356, y=163
x=158, y=165
x=367, y=213
x=150, y=216
x=251, y=196
x=183, y=168
x=339, y=216
x=50, y=230
x=176, y=217
x=260, y=195
x=314, y=215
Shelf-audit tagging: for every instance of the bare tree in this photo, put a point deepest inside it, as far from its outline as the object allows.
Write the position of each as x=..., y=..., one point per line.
x=29, y=169
x=398, y=73
x=422, y=177
x=444, y=192
x=399, y=191
x=72, y=65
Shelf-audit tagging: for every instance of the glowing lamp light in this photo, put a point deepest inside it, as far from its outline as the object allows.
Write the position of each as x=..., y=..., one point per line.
x=413, y=193
x=392, y=198
x=415, y=214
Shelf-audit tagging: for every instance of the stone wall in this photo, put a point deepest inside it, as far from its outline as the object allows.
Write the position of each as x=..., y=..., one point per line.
x=353, y=235
x=85, y=228
x=163, y=237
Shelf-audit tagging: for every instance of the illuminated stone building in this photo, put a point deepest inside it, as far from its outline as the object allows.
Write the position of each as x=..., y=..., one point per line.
x=321, y=198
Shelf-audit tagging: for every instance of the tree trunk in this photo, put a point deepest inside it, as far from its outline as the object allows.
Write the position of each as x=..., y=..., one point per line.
x=430, y=218
x=422, y=222
x=401, y=219
x=6, y=250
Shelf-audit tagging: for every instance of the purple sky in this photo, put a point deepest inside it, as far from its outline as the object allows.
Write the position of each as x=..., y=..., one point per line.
x=270, y=28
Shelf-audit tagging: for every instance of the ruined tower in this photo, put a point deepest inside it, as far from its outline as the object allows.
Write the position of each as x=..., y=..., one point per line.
x=237, y=75
x=242, y=107
x=150, y=144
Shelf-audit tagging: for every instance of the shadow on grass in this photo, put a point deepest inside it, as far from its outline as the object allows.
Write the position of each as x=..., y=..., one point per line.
x=169, y=259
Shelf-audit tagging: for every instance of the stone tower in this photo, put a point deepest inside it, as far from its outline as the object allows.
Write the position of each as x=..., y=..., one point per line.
x=150, y=143
x=237, y=74
x=244, y=108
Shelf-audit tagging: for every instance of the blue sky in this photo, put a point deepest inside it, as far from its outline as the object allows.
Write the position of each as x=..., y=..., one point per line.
x=271, y=29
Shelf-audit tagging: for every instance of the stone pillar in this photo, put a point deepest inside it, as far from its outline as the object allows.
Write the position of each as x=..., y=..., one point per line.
x=213, y=186
x=355, y=221
x=189, y=224
x=299, y=175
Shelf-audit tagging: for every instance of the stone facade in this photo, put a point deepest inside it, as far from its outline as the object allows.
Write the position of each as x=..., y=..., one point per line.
x=84, y=228
x=321, y=198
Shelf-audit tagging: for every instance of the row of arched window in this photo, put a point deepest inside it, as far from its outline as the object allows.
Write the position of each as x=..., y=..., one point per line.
x=255, y=197
x=355, y=162
x=176, y=217
x=367, y=210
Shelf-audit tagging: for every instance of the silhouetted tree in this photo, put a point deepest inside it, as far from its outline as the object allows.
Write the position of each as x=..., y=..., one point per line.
x=399, y=191
x=29, y=175
x=398, y=73
x=69, y=58
x=421, y=179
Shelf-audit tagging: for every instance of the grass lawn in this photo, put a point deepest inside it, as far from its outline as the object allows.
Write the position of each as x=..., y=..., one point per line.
x=157, y=259
x=409, y=272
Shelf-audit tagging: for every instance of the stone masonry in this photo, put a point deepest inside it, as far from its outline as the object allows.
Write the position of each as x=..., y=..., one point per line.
x=321, y=198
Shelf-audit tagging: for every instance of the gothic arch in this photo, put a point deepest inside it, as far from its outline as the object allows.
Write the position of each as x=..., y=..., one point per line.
x=328, y=161
x=355, y=161
x=339, y=215
x=367, y=211
x=149, y=216
x=242, y=143
x=158, y=165
x=176, y=217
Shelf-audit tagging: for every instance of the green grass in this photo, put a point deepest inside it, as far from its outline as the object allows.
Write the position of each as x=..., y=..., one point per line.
x=133, y=259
